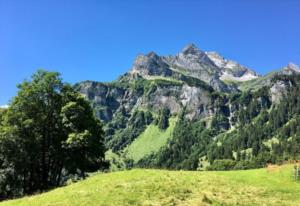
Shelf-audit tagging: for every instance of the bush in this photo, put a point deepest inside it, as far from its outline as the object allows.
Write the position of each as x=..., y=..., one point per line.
x=222, y=165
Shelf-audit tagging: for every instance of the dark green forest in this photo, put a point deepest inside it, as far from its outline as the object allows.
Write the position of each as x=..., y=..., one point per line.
x=249, y=145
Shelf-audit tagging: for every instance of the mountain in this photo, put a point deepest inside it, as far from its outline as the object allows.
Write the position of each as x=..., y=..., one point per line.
x=231, y=70
x=254, y=84
x=192, y=108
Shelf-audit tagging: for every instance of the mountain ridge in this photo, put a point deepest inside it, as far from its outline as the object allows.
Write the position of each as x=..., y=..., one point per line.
x=202, y=90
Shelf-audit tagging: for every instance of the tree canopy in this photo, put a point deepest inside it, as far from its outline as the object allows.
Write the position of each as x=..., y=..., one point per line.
x=48, y=133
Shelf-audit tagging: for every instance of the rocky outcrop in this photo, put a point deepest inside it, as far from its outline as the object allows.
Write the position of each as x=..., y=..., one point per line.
x=290, y=69
x=186, y=80
x=191, y=61
x=108, y=99
x=277, y=91
x=150, y=65
x=231, y=70
x=194, y=62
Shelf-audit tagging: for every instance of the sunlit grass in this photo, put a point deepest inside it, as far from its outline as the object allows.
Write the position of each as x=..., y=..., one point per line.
x=161, y=187
x=151, y=140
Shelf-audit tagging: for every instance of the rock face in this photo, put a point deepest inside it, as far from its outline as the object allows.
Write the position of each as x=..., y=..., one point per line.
x=184, y=81
x=191, y=61
x=150, y=65
x=277, y=91
x=109, y=99
x=194, y=62
x=192, y=84
x=231, y=70
x=291, y=69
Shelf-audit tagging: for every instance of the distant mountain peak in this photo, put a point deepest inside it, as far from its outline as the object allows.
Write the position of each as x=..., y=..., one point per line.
x=231, y=70
x=153, y=55
x=191, y=49
x=290, y=69
x=293, y=66
x=210, y=67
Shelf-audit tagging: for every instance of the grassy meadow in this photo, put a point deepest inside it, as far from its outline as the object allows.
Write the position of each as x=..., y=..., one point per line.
x=161, y=187
x=150, y=141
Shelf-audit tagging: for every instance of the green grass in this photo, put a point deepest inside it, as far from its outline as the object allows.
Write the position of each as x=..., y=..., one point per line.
x=151, y=140
x=162, y=78
x=257, y=83
x=253, y=84
x=161, y=187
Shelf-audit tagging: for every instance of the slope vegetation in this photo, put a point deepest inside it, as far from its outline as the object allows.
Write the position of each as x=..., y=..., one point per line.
x=150, y=141
x=273, y=186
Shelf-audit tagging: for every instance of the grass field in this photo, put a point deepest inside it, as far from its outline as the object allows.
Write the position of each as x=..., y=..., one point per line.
x=151, y=140
x=161, y=187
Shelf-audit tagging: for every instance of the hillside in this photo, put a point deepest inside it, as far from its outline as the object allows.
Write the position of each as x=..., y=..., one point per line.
x=219, y=105
x=161, y=187
x=151, y=140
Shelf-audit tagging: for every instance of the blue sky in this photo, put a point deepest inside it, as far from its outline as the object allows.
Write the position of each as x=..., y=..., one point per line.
x=98, y=40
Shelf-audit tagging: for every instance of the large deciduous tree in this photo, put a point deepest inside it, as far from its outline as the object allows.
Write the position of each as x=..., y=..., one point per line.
x=49, y=131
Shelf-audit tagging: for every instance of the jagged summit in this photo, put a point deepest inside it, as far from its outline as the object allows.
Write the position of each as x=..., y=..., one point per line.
x=290, y=69
x=192, y=54
x=216, y=58
x=293, y=66
x=231, y=70
x=191, y=49
x=187, y=82
x=209, y=67
x=150, y=65
x=152, y=54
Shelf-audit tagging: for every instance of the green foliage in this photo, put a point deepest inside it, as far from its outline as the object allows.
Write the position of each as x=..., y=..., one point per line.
x=2, y=114
x=136, y=125
x=117, y=161
x=220, y=122
x=256, y=84
x=188, y=143
x=48, y=132
x=192, y=81
x=163, y=121
x=222, y=165
x=258, y=124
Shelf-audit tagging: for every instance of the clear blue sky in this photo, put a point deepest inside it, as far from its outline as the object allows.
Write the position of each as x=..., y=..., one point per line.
x=98, y=40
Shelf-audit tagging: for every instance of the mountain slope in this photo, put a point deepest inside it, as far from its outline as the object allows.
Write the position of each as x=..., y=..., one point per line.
x=159, y=187
x=259, y=82
x=212, y=98
x=150, y=141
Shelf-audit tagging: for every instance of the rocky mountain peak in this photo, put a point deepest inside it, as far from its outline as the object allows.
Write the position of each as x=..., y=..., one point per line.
x=193, y=54
x=152, y=55
x=191, y=49
x=231, y=70
x=210, y=67
x=293, y=66
x=216, y=58
x=150, y=64
x=290, y=69
x=192, y=58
